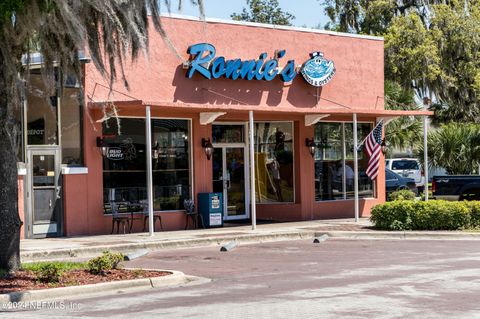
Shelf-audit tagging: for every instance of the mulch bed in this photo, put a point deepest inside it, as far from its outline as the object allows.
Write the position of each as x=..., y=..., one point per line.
x=26, y=280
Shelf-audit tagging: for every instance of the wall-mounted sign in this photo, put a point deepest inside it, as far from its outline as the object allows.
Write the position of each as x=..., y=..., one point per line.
x=215, y=219
x=317, y=71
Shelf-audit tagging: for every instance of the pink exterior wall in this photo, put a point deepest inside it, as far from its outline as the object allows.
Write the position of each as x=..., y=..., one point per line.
x=358, y=82
x=75, y=205
x=357, y=85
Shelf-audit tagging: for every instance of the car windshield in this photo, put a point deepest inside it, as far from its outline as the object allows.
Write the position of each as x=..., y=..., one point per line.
x=404, y=164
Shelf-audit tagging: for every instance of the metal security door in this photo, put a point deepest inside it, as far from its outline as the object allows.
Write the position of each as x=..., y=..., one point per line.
x=44, y=193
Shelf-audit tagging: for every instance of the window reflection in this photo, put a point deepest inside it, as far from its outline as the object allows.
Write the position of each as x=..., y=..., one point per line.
x=70, y=114
x=334, y=174
x=274, y=162
x=365, y=185
x=124, y=166
x=41, y=111
x=227, y=133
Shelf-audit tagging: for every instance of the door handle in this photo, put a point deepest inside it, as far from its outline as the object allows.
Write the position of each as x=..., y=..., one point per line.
x=50, y=203
x=227, y=184
x=58, y=189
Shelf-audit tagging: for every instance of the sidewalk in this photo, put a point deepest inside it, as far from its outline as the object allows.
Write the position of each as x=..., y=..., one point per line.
x=89, y=246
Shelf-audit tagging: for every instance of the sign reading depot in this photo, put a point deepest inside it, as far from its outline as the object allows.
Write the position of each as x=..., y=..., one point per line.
x=317, y=71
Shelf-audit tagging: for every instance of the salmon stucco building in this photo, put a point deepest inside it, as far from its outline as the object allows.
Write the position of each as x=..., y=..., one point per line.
x=264, y=115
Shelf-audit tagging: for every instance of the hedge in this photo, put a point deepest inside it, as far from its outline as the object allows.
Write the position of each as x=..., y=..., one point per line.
x=431, y=215
x=403, y=194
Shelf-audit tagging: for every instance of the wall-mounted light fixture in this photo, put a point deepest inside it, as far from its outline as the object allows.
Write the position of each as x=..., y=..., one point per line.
x=207, y=147
x=101, y=144
x=310, y=143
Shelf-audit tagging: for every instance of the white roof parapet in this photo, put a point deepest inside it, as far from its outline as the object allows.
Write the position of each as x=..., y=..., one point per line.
x=209, y=117
x=311, y=119
x=272, y=26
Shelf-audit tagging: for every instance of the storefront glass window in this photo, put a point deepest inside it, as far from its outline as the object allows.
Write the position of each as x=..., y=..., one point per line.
x=334, y=167
x=228, y=133
x=274, y=162
x=124, y=166
x=71, y=122
x=329, y=161
x=171, y=164
x=42, y=111
x=18, y=116
x=365, y=185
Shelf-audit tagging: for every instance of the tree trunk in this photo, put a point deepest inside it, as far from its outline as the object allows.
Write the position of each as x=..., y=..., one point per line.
x=10, y=222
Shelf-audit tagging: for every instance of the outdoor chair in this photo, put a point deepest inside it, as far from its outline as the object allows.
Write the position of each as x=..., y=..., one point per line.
x=156, y=217
x=189, y=206
x=114, y=209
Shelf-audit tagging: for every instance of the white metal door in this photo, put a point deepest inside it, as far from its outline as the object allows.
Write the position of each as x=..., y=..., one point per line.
x=44, y=204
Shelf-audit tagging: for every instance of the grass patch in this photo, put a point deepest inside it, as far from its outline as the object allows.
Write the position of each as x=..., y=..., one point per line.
x=61, y=265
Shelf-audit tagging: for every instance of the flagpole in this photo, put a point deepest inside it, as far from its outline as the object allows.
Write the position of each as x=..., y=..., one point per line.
x=355, y=165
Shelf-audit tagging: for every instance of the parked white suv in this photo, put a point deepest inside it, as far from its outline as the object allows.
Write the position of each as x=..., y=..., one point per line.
x=407, y=167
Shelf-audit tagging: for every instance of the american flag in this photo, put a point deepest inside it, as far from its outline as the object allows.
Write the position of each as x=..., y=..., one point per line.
x=373, y=146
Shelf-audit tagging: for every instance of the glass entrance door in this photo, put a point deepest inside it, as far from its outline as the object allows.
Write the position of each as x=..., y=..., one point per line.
x=229, y=172
x=44, y=193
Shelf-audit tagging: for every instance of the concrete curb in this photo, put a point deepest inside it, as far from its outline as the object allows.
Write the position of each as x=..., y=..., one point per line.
x=87, y=252
x=406, y=235
x=92, y=251
x=176, y=278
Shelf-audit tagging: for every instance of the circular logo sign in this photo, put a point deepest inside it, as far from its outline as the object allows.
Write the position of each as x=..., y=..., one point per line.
x=318, y=71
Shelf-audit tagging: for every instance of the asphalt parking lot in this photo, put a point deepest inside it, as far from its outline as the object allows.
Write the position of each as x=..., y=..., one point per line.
x=299, y=279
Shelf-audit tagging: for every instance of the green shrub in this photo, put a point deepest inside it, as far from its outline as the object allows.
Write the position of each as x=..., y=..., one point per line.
x=49, y=273
x=403, y=194
x=431, y=215
x=474, y=208
x=393, y=215
x=64, y=265
x=102, y=264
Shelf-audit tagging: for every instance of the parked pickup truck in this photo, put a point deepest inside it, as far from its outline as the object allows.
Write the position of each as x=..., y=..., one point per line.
x=456, y=187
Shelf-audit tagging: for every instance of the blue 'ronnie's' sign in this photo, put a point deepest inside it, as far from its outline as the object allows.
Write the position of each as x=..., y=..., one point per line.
x=317, y=71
